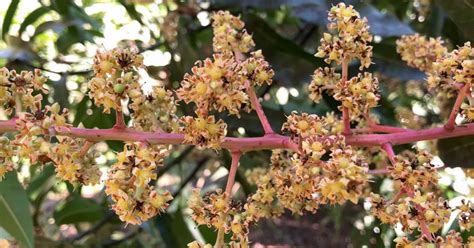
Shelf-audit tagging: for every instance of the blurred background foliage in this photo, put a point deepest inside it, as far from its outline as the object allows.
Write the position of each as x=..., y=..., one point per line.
x=61, y=37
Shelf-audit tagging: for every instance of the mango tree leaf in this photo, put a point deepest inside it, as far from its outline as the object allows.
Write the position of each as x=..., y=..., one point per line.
x=41, y=241
x=4, y=234
x=32, y=17
x=457, y=152
x=18, y=49
x=61, y=6
x=61, y=93
x=15, y=216
x=173, y=229
x=462, y=13
x=132, y=11
x=383, y=24
x=7, y=20
x=209, y=235
x=34, y=187
x=279, y=51
x=77, y=210
x=56, y=26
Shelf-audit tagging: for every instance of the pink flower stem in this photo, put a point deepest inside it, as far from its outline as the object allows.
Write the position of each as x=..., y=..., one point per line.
x=228, y=190
x=396, y=197
x=387, y=129
x=258, y=108
x=391, y=154
x=85, y=148
x=346, y=120
x=457, y=105
x=345, y=111
x=245, y=144
x=232, y=172
x=119, y=120
x=18, y=105
x=378, y=171
x=425, y=231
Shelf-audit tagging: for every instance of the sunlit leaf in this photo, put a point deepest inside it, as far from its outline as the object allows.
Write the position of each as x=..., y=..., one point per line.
x=78, y=210
x=15, y=216
x=32, y=17
x=8, y=19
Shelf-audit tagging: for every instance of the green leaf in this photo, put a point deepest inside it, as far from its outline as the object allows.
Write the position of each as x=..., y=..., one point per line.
x=4, y=234
x=32, y=17
x=173, y=229
x=132, y=11
x=457, y=152
x=62, y=6
x=383, y=24
x=34, y=187
x=279, y=50
x=56, y=26
x=15, y=216
x=77, y=210
x=209, y=235
x=7, y=21
x=462, y=13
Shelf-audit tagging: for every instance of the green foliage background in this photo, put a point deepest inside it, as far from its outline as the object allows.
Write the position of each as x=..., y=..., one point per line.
x=61, y=36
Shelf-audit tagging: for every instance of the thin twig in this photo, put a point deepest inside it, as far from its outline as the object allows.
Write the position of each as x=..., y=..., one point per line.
x=258, y=108
x=119, y=120
x=228, y=190
x=457, y=105
x=345, y=111
x=383, y=171
x=85, y=148
x=391, y=154
x=387, y=129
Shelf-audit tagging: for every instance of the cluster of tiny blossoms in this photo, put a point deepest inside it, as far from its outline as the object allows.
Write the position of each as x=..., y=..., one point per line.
x=115, y=83
x=16, y=89
x=221, y=83
x=35, y=123
x=217, y=210
x=297, y=181
x=129, y=183
x=419, y=51
x=116, y=80
x=415, y=206
x=447, y=72
x=454, y=71
x=358, y=94
x=321, y=170
x=350, y=39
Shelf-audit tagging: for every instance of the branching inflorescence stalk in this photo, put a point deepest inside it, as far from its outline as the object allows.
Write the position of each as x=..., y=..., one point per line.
x=228, y=190
x=457, y=104
x=252, y=143
x=345, y=111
